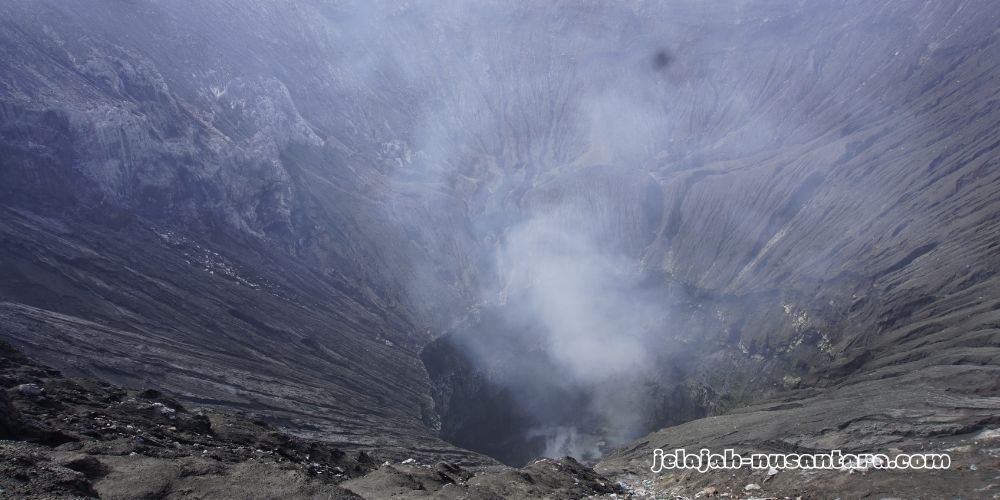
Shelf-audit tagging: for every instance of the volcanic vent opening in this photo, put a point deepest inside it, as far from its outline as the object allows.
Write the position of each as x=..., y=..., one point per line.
x=520, y=403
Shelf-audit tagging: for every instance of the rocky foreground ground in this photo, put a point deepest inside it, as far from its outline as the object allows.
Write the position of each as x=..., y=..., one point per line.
x=62, y=437
x=77, y=438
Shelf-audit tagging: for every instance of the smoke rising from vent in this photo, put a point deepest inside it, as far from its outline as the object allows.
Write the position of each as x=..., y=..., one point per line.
x=577, y=293
x=589, y=321
x=543, y=150
x=548, y=148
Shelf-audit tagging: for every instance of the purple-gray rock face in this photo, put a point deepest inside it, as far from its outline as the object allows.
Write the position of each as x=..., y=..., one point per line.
x=526, y=229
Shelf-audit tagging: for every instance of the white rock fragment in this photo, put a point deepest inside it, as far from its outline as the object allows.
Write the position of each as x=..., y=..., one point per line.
x=707, y=492
x=30, y=390
x=988, y=435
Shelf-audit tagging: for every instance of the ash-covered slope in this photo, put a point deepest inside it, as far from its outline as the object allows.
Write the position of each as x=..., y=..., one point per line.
x=603, y=219
x=152, y=237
